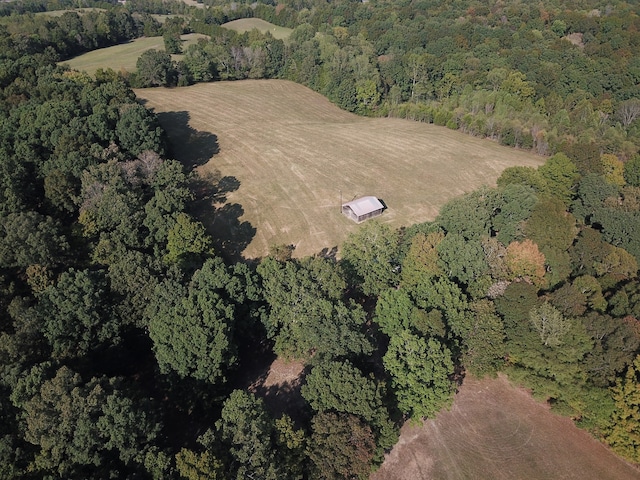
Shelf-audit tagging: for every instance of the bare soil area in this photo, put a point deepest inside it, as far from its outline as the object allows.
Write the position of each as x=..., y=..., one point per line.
x=499, y=432
x=280, y=388
x=292, y=156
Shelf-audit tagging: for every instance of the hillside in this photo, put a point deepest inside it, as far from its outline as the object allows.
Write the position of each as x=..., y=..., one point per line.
x=294, y=155
x=123, y=58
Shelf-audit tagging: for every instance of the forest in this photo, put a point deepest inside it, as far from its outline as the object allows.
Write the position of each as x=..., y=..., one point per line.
x=124, y=334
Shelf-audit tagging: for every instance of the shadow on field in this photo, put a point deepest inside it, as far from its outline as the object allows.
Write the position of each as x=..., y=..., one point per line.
x=201, y=145
x=221, y=219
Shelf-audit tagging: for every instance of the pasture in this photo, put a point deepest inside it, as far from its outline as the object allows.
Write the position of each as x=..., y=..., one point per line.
x=247, y=24
x=123, y=57
x=285, y=157
x=497, y=431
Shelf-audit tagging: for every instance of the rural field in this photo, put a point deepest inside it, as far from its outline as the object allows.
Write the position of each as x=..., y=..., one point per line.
x=286, y=157
x=124, y=57
x=247, y=24
x=499, y=432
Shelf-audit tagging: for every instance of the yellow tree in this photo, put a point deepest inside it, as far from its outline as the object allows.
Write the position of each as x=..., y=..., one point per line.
x=613, y=169
x=525, y=261
x=624, y=432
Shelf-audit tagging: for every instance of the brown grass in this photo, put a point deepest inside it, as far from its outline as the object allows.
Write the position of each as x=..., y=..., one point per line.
x=499, y=432
x=295, y=155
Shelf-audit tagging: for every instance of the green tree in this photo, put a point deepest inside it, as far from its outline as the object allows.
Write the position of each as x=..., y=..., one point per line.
x=483, y=339
x=528, y=176
x=632, y=171
x=561, y=177
x=246, y=429
x=624, y=432
x=138, y=130
x=341, y=387
x=422, y=258
x=188, y=242
x=172, y=42
x=192, y=327
x=469, y=216
x=200, y=63
x=155, y=69
x=77, y=314
x=419, y=371
x=371, y=255
x=29, y=238
x=78, y=427
x=464, y=260
x=307, y=313
x=515, y=203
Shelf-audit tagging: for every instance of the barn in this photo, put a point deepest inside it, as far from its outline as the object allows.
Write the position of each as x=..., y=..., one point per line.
x=363, y=208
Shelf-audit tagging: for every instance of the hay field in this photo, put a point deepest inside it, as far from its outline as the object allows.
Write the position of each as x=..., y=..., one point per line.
x=291, y=156
x=497, y=431
x=124, y=57
x=79, y=11
x=247, y=24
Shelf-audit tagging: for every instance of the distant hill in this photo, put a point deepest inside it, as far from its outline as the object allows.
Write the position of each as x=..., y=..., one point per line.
x=125, y=56
x=248, y=24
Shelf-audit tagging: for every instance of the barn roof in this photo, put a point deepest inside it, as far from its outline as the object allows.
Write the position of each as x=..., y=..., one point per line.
x=364, y=205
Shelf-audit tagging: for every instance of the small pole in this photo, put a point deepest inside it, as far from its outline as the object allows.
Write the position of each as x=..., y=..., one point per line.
x=340, y=201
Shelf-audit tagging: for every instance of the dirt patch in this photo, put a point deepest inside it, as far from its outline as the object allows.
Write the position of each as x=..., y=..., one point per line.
x=281, y=388
x=497, y=431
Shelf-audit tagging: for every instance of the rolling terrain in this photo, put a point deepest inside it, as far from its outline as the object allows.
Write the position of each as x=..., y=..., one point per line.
x=124, y=57
x=288, y=157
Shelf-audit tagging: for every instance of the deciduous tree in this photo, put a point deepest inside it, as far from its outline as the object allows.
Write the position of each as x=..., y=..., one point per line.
x=419, y=371
x=341, y=446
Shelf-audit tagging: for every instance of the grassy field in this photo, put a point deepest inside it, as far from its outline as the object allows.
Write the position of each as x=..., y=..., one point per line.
x=499, y=432
x=287, y=157
x=59, y=13
x=247, y=24
x=125, y=56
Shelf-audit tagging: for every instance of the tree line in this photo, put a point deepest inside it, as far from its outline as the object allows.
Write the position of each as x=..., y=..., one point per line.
x=556, y=77
x=550, y=78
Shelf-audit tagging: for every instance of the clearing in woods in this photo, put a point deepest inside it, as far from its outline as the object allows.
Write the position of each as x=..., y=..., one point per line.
x=499, y=432
x=291, y=156
x=123, y=57
x=247, y=24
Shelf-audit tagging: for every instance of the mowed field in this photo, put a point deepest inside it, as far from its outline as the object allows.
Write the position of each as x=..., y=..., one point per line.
x=124, y=57
x=247, y=24
x=292, y=156
x=495, y=431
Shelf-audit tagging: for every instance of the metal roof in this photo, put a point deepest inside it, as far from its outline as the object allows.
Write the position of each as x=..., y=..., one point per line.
x=364, y=205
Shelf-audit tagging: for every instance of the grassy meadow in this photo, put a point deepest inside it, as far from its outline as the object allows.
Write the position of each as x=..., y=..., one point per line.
x=124, y=57
x=247, y=24
x=80, y=11
x=288, y=157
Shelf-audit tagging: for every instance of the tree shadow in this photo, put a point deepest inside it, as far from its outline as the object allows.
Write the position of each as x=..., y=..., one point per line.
x=230, y=235
x=285, y=398
x=221, y=218
x=202, y=145
x=329, y=253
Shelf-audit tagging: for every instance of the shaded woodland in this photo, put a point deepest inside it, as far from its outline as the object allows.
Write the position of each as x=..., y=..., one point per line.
x=125, y=333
